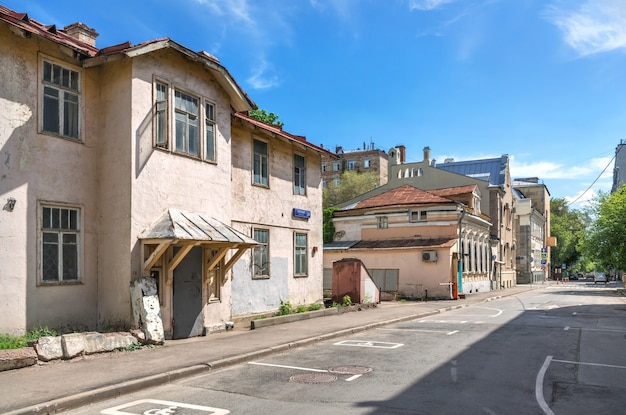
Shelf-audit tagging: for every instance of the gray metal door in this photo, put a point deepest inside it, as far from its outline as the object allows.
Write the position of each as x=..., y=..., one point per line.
x=187, y=307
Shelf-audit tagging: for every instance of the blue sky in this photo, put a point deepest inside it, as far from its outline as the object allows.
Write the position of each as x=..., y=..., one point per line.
x=543, y=81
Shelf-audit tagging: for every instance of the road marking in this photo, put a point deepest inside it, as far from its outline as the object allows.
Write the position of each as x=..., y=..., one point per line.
x=589, y=364
x=351, y=378
x=539, y=387
x=364, y=343
x=166, y=407
x=289, y=367
x=452, y=332
x=422, y=330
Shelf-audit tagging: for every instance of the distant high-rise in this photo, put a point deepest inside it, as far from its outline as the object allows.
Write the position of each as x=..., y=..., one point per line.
x=619, y=171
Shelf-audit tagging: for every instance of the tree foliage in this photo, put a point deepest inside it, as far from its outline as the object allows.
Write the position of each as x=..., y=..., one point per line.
x=267, y=118
x=351, y=184
x=567, y=225
x=329, y=227
x=605, y=237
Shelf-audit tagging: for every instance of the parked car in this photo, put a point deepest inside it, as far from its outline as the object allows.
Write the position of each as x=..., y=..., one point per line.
x=600, y=277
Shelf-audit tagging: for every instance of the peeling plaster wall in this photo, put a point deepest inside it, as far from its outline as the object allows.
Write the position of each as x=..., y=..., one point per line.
x=271, y=208
x=40, y=168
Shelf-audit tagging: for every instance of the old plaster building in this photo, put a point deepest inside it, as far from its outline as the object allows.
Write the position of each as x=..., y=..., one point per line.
x=410, y=240
x=134, y=161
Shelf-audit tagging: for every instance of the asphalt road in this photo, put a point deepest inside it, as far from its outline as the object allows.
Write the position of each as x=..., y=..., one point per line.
x=558, y=350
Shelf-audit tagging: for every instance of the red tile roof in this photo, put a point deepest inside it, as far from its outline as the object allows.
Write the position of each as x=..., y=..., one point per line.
x=274, y=129
x=33, y=27
x=403, y=195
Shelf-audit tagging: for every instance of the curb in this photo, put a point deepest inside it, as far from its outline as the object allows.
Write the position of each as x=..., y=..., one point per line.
x=114, y=391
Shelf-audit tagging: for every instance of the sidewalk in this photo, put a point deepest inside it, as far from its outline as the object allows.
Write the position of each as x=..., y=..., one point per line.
x=64, y=385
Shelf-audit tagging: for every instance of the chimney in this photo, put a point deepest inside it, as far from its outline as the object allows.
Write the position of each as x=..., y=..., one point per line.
x=427, y=155
x=82, y=32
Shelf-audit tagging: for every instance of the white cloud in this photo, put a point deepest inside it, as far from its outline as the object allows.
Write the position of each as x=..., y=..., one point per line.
x=427, y=4
x=262, y=77
x=596, y=26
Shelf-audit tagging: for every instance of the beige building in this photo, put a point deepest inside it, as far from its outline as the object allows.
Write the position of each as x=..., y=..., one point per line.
x=492, y=177
x=139, y=161
x=411, y=240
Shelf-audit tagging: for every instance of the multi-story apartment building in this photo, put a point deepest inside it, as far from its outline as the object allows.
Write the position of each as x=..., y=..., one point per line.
x=619, y=171
x=139, y=161
x=367, y=159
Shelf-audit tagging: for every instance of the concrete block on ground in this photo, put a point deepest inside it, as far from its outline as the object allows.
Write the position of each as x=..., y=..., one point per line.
x=17, y=358
x=73, y=345
x=49, y=348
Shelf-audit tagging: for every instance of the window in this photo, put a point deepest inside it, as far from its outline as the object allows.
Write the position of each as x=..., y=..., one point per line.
x=160, y=114
x=261, y=259
x=367, y=163
x=61, y=103
x=209, y=131
x=383, y=222
x=323, y=167
x=336, y=181
x=300, y=259
x=323, y=183
x=186, y=117
x=60, y=242
x=336, y=165
x=351, y=164
x=260, y=162
x=299, y=176
x=418, y=216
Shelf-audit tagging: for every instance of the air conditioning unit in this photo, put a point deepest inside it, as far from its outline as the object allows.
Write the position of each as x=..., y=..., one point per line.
x=429, y=256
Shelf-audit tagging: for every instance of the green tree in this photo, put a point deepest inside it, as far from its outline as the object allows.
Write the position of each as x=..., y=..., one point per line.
x=351, y=184
x=567, y=225
x=267, y=118
x=605, y=237
x=329, y=227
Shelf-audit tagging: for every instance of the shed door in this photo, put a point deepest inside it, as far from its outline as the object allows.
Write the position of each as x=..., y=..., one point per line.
x=187, y=307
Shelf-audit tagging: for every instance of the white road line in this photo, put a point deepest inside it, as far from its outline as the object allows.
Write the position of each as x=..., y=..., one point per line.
x=289, y=367
x=351, y=378
x=418, y=330
x=539, y=387
x=589, y=364
x=452, y=332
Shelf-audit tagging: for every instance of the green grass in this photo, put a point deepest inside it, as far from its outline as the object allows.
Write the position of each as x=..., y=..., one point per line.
x=8, y=341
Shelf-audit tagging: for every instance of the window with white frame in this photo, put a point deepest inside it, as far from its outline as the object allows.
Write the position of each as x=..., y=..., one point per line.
x=351, y=164
x=299, y=176
x=60, y=244
x=367, y=163
x=60, y=100
x=160, y=114
x=261, y=254
x=419, y=215
x=300, y=258
x=336, y=165
x=260, y=169
x=186, y=114
x=323, y=167
x=336, y=181
x=383, y=222
x=209, y=131
x=323, y=183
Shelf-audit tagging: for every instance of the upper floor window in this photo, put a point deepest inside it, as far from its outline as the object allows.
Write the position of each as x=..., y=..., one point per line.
x=336, y=181
x=418, y=215
x=323, y=167
x=260, y=163
x=367, y=163
x=160, y=114
x=336, y=165
x=383, y=222
x=261, y=255
x=61, y=100
x=300, y=258
x=351, y=164
x=209, y=131
x=323, y=183
x=186, y=112
x=60, y=244
x=299, y=177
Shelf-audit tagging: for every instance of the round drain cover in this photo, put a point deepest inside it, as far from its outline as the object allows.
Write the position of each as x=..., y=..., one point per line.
x=350, y=370
x=313, y=378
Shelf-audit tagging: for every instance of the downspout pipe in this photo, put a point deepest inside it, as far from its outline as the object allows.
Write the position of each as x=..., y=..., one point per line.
x=461, y=253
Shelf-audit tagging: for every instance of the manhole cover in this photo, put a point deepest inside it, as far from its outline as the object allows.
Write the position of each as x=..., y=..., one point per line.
x=313, y=378
x=350, y=370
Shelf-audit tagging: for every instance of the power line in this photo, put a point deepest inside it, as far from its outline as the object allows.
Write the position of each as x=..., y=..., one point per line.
x=597, y=178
